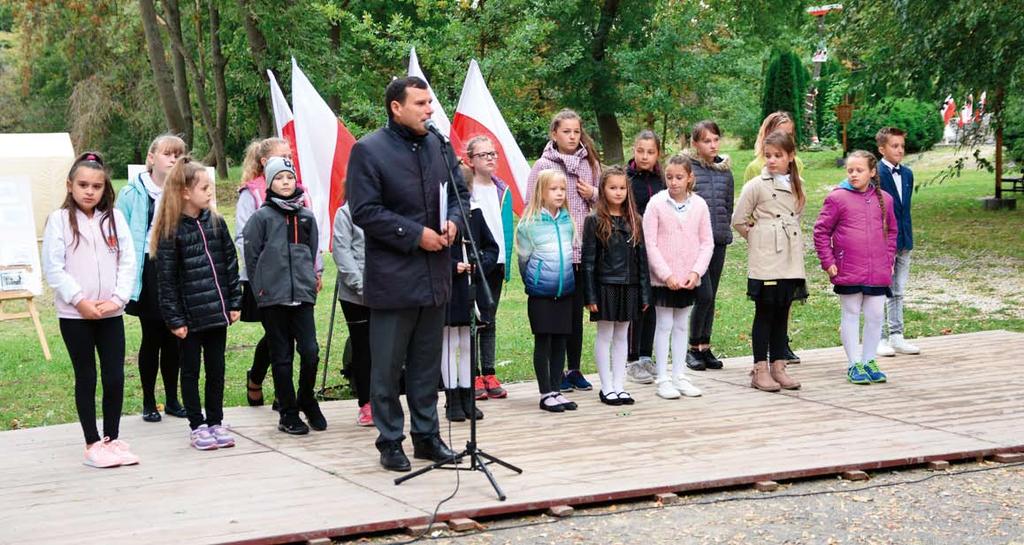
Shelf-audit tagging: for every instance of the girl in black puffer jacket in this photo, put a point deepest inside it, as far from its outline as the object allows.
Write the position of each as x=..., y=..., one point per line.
x=197, y=273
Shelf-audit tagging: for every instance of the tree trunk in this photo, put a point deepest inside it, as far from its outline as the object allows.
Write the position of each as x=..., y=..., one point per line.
x=220, y=86
x=161, y=73
x=199, y=77
x=997, y=107
x=180, y=76
x=602, y=87
x=258, y=49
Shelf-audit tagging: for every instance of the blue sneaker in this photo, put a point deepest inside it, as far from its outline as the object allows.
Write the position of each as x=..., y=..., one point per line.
x=874, y=373
x=566, y=385
x=577, y=381
x=856, y=374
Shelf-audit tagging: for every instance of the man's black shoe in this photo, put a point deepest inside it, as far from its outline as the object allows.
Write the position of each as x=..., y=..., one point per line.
x=315, y=416
x=393, y=458
x=710, y=361
x=432, y=448
x=789, y=355
x=695, y=360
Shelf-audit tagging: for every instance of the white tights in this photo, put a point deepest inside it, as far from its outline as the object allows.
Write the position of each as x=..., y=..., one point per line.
x=612, y=337
x=674, y=323
x=873, y=307
x=455, y=357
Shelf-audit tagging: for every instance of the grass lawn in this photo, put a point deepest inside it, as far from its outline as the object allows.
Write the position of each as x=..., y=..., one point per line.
x=967, y=275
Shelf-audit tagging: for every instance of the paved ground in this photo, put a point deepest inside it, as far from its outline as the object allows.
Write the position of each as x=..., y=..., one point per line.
x=972, y=503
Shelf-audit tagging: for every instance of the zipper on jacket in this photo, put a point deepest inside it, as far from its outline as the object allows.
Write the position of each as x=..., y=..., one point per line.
x=213, y=268
x=291, y=272
x=561, y=259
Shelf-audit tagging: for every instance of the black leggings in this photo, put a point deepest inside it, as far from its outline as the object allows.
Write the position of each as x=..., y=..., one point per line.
x=84, y=339
x=574, y=343
x=769, y=334
x=158, y=351
x=641, y=334
x=205, y=347
x=260, y=361
x=548, y=356
x=702, y=320
x=357, y=318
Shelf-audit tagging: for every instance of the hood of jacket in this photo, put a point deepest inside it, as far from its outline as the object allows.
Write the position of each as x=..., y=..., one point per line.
x=722, y=163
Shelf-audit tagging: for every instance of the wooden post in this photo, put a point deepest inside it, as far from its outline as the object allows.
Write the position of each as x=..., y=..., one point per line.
x=32, y=313
x=844, y=113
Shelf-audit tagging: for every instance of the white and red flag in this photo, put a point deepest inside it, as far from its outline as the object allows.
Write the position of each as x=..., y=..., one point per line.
x=981, y=107
x=284, y=122
x=478, y=115
x=948, y=110
x=967, y=112
x=439, y=117
x=323, y=145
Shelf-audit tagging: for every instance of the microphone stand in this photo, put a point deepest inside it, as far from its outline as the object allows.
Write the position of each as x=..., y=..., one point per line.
x=478, y=459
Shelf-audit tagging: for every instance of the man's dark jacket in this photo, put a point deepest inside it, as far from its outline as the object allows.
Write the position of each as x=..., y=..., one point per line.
x=394, y=180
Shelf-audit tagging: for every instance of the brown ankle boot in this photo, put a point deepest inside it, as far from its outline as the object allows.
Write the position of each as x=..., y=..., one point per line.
x=779, y=375
x=761, y=378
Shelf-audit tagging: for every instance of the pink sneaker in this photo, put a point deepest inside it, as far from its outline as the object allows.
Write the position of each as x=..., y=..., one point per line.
x=123, y=451
x=98, y=455
x=202, y=439
x=223, y=437
x=365, y=417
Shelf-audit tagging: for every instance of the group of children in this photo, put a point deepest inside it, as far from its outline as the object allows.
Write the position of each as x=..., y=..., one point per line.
x=642, y=248
x=618, y=241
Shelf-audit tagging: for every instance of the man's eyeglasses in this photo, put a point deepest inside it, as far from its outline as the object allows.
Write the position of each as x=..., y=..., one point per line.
x=486, y=155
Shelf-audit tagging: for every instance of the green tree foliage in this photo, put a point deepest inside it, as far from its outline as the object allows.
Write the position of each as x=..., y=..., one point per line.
x=785, y=85
x=917, y=118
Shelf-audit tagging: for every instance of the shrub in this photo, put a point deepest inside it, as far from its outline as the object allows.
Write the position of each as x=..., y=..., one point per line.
x=920, y=120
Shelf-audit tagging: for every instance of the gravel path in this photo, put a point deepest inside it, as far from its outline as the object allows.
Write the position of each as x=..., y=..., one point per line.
x=973, y=503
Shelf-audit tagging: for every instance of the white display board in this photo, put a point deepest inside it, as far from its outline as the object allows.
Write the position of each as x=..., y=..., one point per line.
x=19, y=251
x=135, y=170
x=46, y=159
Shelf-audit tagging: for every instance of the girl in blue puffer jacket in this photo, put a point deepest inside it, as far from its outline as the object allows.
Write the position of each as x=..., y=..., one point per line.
x=544, y=240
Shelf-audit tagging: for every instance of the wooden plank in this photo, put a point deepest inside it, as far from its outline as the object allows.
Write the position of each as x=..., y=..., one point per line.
x=262, y=490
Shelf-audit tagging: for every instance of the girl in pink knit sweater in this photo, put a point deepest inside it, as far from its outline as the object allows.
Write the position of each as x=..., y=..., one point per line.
x=677, y=233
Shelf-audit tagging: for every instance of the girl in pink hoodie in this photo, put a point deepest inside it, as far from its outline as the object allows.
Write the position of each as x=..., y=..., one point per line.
x=855, y=237
x=89, y=261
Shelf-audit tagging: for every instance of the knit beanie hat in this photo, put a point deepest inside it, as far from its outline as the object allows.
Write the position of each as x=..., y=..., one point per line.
x=275, y=166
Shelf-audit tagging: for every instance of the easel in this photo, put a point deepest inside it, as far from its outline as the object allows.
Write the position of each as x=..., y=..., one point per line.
x=6, y=297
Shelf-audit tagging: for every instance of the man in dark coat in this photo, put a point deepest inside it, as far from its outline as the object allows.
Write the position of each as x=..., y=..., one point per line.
x=396, y=176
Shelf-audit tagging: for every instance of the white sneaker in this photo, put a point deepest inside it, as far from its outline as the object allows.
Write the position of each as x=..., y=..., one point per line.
x=666, y=390
x=884, y=349
x=636, y=373
x=685, y=387
x=902, y=346
x=648, y=364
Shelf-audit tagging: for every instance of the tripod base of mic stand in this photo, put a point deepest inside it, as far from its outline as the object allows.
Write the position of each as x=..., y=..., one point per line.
x=478, y=461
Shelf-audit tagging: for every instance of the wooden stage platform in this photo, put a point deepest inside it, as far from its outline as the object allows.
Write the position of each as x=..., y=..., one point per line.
x=961, y=399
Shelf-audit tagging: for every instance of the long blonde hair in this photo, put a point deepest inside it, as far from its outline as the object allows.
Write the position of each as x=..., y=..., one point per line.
x=872, y=163
x=533, y=208
x=252, y=165
x=768, y=126
x=183, y=177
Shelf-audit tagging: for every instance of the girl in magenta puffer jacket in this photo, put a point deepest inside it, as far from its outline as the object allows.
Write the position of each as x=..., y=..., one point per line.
x=855, y=237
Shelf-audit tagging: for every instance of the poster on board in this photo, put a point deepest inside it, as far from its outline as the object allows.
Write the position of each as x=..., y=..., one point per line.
x=19, y=252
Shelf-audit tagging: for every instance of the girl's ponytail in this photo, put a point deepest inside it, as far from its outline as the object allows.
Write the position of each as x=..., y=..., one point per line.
x=872, y=162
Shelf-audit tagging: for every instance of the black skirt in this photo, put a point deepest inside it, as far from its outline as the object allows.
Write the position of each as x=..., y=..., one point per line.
x=777, y=292
x=617, y=303
x=866, y=290
x=148, y=305
x=250, y=309
x=662, y=296
x=550, y=316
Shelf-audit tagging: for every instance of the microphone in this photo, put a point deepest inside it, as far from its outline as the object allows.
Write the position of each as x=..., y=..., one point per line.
x=432, y=128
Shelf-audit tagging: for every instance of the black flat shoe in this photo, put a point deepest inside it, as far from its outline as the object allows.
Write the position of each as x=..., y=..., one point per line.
x=570, y=405
x=609, y=400
x=293, y=426
x=315, y=417
x=175, y=409
x=626, y=399
x=258, y=388
x=710, y=361
x=151, y=415
x=551, y=408
x=694, y=360
x=393, y=458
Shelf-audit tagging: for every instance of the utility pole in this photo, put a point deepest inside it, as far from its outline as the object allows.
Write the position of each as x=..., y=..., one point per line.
x=820, y=56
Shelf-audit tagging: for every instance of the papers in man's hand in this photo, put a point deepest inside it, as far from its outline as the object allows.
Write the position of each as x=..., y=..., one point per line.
x=443, y=201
